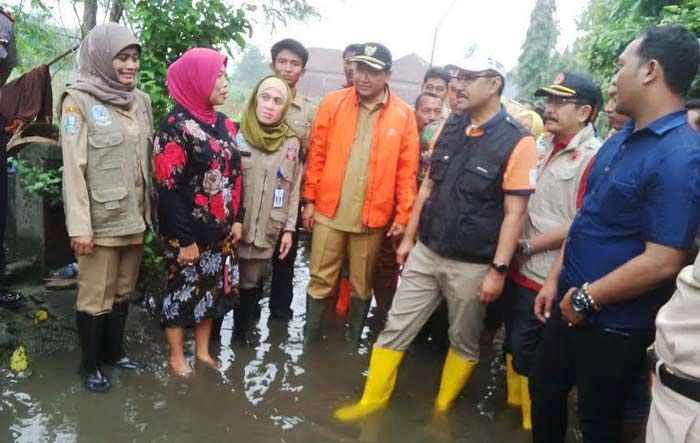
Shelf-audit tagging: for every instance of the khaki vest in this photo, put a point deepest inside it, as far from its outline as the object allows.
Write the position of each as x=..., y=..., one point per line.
x=554, y=200
x=111, y=181
x=263, y=173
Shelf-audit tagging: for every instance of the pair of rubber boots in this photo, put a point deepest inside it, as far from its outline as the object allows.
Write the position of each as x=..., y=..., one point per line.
x=518, y=392
x=102, y=341
x=357, y=315
x=243, y=313
x=383, y=368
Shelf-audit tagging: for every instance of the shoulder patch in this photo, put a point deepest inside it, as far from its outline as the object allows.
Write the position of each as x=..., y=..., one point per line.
x=71, y=121
x=101, y=115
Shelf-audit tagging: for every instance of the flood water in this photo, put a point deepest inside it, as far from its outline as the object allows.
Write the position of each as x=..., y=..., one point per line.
x=273, y=391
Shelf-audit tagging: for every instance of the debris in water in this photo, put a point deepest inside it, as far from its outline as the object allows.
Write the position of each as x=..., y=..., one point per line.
x=18, y=361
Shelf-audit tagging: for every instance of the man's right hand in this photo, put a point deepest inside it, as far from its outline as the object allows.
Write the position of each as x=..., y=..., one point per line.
x=403, y=250
x=307, y=217
x=188, y=255
x=544, y=301
x=83, y=245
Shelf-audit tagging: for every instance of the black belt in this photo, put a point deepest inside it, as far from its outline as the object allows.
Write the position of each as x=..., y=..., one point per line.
x=682, y=384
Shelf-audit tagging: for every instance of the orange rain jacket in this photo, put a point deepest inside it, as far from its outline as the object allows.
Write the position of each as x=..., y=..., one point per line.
x=393, y=161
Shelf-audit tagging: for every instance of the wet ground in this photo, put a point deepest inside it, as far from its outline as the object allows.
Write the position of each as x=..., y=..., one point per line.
x=273, y=391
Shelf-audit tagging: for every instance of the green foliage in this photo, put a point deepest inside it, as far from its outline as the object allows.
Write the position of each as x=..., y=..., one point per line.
x=44, y=183
x=252, y=66
x=281, y=11
x=611, y=24
x=538, y=50
x=39, y=39
x=167, y=28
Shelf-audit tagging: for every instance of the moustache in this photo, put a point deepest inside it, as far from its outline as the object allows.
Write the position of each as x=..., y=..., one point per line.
x=550, y=118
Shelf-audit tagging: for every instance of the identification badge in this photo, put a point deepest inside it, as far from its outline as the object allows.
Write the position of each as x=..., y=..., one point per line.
x=278, y=199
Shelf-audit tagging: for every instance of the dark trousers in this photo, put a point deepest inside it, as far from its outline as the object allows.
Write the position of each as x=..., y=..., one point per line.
x=501, y=313
x=604, y=366
x=282, y=284
x=526, y=331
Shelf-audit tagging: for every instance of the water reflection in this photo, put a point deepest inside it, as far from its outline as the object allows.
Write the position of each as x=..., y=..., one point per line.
x=271, y=391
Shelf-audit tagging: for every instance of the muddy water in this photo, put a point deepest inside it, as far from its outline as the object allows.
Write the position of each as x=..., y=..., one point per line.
x=273, y=391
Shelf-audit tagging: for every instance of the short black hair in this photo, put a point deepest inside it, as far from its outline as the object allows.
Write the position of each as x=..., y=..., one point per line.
x=422, y=95
x=494, y=73
x=352, y=47
x=291, y=45
x=677, y=51
x=692, y=103
x=436, y=72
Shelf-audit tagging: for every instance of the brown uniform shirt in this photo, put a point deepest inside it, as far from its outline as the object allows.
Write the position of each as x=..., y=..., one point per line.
x=348, y=215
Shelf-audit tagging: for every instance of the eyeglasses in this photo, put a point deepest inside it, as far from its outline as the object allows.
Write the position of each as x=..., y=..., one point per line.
x=561, y=101
x=467, y=78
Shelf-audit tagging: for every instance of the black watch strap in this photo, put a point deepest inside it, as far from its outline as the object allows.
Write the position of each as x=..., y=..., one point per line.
x=502, y=268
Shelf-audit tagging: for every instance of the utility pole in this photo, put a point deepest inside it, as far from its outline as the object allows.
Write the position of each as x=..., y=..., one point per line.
x=437, y=26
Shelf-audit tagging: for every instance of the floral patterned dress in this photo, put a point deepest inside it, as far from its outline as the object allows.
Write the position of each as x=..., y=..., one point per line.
x=198, y=178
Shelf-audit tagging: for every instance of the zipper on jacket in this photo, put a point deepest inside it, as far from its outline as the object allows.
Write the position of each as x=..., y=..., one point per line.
x=262, y=200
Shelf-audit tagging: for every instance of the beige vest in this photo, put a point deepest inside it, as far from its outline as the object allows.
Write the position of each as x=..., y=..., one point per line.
x=263, y=174
x=554, y=200
x=115, y=208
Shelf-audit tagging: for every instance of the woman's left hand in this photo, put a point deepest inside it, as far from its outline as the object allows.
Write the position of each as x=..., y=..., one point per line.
x=285, y=244
x=236, y=233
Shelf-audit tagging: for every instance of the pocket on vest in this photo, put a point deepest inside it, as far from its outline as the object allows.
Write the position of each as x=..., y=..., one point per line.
x=108, y=202
x=107, y=152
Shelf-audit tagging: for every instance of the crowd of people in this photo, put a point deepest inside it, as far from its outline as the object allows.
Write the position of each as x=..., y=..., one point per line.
x=500, y=212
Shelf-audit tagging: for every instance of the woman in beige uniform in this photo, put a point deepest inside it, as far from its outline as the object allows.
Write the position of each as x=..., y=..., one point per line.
x=106, y=130
x=271, y=178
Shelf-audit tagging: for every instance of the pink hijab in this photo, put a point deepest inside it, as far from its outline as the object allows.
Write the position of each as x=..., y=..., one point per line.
x=192, y=77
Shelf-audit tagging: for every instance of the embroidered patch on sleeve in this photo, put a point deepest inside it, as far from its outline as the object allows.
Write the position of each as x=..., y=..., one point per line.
x=71, y=122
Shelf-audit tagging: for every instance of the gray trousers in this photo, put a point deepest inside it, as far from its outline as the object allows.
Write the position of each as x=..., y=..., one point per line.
x=426, y=279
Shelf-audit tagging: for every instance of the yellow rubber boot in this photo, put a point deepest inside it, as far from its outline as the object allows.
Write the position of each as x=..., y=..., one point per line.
x=512, y=383
x=383, y=367
x=455, y=374
x=526, y=405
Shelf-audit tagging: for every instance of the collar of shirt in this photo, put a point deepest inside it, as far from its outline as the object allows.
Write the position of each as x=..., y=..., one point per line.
x=377, y=105
x=478, y=131
x=297, y=101
x=660, y=126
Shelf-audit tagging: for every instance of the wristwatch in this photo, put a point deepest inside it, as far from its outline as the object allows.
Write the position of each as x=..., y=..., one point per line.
x=525, y=249
x=581, y=300
x=502, y=268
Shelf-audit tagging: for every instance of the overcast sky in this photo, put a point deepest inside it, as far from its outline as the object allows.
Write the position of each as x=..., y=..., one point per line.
x=496, y=26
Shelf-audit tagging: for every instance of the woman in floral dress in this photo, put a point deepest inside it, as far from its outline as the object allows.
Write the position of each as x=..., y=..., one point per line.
x=198, y=174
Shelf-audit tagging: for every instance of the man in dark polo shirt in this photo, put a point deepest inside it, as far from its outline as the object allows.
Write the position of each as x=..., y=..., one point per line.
x=639, y=215
x=468, y=217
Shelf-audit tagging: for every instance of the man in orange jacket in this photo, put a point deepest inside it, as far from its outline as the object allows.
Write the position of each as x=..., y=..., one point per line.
x=361, y=178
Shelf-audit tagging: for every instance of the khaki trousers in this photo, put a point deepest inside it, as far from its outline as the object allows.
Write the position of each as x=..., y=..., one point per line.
x=107, y=276
x=427, y=278
x=672, y=417
x=328, y=249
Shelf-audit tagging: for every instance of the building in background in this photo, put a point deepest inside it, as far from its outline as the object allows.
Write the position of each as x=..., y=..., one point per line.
x=324, y=73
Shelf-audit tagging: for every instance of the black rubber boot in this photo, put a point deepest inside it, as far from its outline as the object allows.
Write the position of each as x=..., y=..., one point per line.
x=115, y=323
x=90, y=330
x=243, y=313
x=315, y=308
x=357, y=315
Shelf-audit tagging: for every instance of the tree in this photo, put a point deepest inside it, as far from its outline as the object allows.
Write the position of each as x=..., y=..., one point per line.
x=533, y=69
x=252, y=67
x=168, y=28
x=609, y=25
